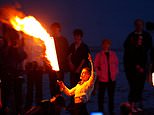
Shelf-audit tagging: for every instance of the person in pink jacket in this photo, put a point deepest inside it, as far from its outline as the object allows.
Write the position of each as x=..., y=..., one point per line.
x=106, y=67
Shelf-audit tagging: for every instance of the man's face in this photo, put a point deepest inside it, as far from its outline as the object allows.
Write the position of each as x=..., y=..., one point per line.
x=84, y=75
x=55, y=31
x=106, y=46
x=77, y=39
x=139, y=25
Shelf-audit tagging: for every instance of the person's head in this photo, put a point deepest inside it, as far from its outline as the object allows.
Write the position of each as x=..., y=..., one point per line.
x=125, y=108
x=139, y=25
x=78, y=34
x=55, y=29
x=85, y=74
x=106, y=43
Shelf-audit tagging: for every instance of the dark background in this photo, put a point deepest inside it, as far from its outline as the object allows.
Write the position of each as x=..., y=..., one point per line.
x=98, y=18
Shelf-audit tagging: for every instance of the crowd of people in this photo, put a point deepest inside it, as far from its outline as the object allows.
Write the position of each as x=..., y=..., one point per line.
x=22, y=60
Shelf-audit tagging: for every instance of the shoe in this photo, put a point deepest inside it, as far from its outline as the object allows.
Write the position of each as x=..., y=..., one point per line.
x=139, y=109
x=30, y=110
x=133, y=109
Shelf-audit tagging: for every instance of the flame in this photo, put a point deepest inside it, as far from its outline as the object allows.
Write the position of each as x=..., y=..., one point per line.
x=153, y=78
x=29, y=25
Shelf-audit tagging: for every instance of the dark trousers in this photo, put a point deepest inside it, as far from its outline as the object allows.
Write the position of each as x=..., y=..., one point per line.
x=110, y=86
x=53, y=77
x=136, y=83
x=34, y=84
x=80, y=109
x=74, y=79
x=11, y=92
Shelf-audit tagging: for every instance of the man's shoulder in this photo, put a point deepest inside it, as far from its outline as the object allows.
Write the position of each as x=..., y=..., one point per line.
x=63, y=37
x=84, y=45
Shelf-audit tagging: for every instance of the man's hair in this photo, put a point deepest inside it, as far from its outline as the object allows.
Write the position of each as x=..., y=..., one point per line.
x=78, y=32
x=106, y=40
x=138, y=19
x=88, y=69
x=55, y=25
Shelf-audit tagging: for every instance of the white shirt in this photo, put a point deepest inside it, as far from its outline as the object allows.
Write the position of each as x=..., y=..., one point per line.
x=81, y=92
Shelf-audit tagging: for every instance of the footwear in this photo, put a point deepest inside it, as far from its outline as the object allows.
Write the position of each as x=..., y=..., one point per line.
x=134, y=110
x=31, y=109
x=139, y=109
x=133, y=107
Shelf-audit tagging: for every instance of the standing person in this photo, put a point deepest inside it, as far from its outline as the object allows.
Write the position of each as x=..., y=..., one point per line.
x=61, y=45
x=136, y=48
x=106, y=66
x=77, y=58
x=34, y=67
x=12, y=74
x=82, y=91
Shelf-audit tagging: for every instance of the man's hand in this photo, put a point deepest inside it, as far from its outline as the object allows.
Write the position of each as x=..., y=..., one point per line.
x=61, y=85
x=89, y=57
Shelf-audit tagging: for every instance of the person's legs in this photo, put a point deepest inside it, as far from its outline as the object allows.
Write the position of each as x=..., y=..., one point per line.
x=29, y=92
x=74, y=79
x=80, y=109
x=101, y=93
x=139, y=92
x=131, y=77
x=38, y=87
x=19, y=94
x=111, y=92
x=134, y=94
x=52, y=82
x=4, y=93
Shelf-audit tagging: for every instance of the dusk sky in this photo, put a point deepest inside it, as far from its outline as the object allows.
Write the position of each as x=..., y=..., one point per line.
x=97, y=18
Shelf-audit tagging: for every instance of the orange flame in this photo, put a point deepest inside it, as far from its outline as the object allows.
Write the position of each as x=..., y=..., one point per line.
x=153, y=78
x=29, y=25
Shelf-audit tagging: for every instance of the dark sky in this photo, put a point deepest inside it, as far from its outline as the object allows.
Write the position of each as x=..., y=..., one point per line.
x=97, y=18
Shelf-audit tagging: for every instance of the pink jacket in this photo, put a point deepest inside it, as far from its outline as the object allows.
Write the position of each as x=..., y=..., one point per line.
x=101, y=66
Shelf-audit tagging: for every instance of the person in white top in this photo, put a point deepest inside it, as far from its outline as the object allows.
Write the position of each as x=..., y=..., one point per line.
x=82, y=91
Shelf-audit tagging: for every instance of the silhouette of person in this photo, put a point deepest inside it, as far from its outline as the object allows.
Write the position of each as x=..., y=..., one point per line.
x=136, y=48
x=106, y=65
x=77, y=59
x=61, y=45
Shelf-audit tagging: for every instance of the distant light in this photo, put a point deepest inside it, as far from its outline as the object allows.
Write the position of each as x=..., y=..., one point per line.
x=153, y=78
x=96, y=113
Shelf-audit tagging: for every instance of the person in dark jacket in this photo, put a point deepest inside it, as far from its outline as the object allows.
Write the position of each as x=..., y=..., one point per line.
x=12, y=75
x=61, y=45
x=77, y=59
x=136, y=48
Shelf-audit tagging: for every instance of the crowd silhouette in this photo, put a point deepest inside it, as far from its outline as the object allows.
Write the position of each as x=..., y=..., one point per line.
x=22, y=62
